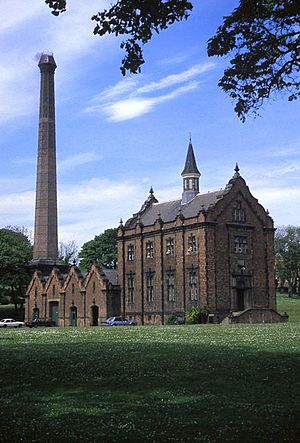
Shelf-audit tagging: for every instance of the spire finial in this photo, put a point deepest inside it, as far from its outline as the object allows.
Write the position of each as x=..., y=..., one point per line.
x=236, y=168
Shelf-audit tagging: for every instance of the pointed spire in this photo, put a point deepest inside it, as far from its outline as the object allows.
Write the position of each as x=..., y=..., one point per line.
x=190, y=175
x=190, y=162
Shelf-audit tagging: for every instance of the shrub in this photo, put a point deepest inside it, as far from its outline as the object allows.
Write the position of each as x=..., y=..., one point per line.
x=172, y=319
x=197, y=314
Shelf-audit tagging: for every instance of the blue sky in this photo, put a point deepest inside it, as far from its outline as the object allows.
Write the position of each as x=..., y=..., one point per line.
x=118, y=136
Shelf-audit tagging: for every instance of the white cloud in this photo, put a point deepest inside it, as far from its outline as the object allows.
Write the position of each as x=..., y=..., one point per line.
x=28, y=28
x=127, y=100
x=85, y=209
x=281, y=202
x=75, y=160
x=117, y=90
x=137, y=106
x=15, y=13
x=175, y=79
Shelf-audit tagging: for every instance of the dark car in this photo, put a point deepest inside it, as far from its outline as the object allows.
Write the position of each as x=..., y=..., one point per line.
x=118, y=321
x=39, y=322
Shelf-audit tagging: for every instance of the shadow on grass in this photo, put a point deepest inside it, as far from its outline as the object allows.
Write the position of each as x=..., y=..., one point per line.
x=147, y=391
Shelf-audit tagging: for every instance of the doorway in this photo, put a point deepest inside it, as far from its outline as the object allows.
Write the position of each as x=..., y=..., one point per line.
x=240, y=299
x=73, y=316
x=95, y=315
x=54, y=311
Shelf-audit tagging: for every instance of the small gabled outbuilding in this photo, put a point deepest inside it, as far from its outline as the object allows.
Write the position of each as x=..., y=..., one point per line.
x=73, y=299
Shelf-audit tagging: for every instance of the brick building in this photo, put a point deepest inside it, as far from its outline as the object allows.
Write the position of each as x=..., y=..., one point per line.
x=214, y=249
x=72, y=299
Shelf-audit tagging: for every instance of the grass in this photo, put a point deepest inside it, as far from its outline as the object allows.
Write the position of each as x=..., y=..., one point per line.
x=291, y=305
x=204, y=383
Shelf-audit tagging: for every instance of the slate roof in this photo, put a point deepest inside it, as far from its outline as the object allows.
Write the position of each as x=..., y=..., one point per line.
x=168, y=211
x=111, y=275
x=190, y=166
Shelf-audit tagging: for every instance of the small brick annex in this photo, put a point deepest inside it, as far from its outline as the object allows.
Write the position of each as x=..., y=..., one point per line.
x=214, y=249
x=72, y=299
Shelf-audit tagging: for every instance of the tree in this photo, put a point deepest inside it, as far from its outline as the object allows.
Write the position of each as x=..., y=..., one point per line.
x=102, y=250
x=287, y=249
x=15, y=252
x=262, y=35
x=68, y=252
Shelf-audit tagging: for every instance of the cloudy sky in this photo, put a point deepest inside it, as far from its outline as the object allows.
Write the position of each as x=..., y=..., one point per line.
x=118, y=136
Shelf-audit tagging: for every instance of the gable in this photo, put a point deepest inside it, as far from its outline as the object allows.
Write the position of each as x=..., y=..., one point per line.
x=239, y=193
x=35, y=281
x=75, y=276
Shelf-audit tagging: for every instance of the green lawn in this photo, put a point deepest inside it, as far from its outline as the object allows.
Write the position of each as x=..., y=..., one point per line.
x=202, y=383
x=291, y=305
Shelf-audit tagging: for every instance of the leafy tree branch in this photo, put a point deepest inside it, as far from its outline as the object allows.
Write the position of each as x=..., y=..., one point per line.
x=262, y=38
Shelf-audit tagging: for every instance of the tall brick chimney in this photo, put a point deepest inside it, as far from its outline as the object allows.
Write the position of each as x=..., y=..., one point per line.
x=45, y=249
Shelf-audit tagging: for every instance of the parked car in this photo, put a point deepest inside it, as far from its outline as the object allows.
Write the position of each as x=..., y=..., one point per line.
x=118, y=321
x=11, y=323
x=39, y=322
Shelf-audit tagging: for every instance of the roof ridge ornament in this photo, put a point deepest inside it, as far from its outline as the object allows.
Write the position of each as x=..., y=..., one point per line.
x=237, y=169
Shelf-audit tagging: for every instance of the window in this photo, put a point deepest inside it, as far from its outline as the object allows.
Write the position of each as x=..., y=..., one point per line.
x=193, y=284
x=150, y=287
x=240, y=245
x=149, y=249
x=130, y=284
x=191, y=184
x=239, y=213
x=192, y=243
x=171, y=286
x=130, y=252
x=170, y=249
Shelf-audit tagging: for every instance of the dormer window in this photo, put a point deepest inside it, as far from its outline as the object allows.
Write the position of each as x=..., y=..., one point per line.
x=149, y=249
x=192, y=244
x=239, y=213
x=130, y=252
x=170, y=247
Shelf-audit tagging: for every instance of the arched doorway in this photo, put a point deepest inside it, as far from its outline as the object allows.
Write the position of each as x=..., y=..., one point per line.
x=95, y=315
x=73, y=316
